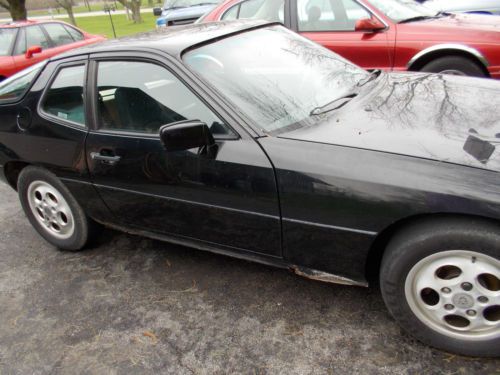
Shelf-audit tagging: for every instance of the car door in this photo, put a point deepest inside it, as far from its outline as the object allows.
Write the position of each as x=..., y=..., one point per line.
x=331, y=23
x=31, y=36
x=227, y=196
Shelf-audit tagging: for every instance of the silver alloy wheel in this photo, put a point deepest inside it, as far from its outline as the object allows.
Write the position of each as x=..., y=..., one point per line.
x=452, y=72
x=51, y=210
x=457, y=293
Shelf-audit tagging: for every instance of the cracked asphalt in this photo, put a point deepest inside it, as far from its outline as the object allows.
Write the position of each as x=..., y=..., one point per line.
x=134, y=305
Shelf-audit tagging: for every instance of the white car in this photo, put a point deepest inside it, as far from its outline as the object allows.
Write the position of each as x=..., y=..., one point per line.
x=465, y=6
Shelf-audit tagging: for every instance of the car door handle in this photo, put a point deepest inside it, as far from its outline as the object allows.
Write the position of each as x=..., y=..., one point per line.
x=107, y=159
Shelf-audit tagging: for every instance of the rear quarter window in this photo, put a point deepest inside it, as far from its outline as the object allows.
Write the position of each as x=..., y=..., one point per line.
x=14, y=87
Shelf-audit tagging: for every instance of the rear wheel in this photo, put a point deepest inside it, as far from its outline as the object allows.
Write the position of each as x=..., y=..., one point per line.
x=52, y=210
x=441, y=282
x=454, y=65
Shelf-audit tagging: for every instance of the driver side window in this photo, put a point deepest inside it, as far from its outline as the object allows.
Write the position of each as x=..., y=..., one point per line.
x=269, y=10
x=141, y=97
x=329, y=15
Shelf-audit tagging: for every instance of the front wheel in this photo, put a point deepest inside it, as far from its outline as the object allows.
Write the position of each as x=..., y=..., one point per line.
x=454, y=65
x=52, y=209
x=441, y=282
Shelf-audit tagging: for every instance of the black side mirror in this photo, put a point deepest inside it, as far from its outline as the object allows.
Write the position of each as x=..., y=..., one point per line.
x=157, y=11
x=184, y=135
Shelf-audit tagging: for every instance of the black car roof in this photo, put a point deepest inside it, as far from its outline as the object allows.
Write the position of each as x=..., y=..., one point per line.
x=172, y=40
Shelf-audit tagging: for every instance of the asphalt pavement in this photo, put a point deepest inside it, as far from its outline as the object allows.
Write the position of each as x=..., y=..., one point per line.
x=130, y=305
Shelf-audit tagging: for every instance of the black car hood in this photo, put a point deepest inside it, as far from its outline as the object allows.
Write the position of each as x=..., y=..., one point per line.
x=444, y=118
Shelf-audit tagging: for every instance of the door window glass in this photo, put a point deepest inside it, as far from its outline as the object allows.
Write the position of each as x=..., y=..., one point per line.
x=64, y=98
x=15, y=86
x=269, y=10
x=20, y=48
x=58, y=34
x=75, y=34
x=141, y=97
x=7, y=37
x=36, y=37
x=232, y=13
x=329, y=15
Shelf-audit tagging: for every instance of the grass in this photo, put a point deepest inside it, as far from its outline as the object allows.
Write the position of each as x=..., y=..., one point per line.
x=102, y=26
x=94, y=7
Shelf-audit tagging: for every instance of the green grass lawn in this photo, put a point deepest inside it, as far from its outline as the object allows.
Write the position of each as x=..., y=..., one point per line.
x=101, y=24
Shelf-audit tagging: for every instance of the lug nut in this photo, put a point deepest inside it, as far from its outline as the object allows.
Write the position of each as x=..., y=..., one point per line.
x=446, y=290
x=471, y=312
x=449, y=306
x=482, y=299
x=466, y=286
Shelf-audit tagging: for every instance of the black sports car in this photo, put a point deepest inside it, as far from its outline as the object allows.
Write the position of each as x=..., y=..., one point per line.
x=246, y=139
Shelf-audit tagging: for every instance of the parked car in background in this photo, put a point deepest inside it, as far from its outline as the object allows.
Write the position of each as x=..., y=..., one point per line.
x=491, y=7
x=244, y=138
x=26, y=43
x=182, y=12
x=394, y=35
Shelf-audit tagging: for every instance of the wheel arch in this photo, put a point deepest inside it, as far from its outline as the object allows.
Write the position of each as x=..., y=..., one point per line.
x=12, y=169
x=377, y=249
x=425, y=56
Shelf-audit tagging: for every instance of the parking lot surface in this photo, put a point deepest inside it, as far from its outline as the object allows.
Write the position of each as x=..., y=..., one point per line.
x=133, y=305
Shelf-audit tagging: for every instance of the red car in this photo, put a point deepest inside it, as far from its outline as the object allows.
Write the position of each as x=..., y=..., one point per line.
x=387, y=34
x=23, y=44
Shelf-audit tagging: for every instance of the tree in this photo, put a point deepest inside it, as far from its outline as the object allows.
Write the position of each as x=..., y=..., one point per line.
x=134, y=6
x=16, y=8
x=67, y=5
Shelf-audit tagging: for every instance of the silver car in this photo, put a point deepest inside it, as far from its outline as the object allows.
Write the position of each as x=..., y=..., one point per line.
x=465, y=6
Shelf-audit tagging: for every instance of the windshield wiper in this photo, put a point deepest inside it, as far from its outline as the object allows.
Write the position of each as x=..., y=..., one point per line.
x=372, y=76
x=330, y=106
x=423, y=18
x=200, y=4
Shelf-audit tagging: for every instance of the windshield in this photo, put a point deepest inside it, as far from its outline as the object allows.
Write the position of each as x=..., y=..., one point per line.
x=187, y=3
x=15, y=86
x=7, y=37
x=276, y=77
x=400, y=10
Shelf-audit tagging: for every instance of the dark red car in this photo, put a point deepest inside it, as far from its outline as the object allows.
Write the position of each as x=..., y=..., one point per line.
x=23, y=44
x=387, y=34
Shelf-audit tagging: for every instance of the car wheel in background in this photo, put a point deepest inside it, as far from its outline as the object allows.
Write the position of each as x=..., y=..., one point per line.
x=441, y=281
x=52, y=210
x=455, y=65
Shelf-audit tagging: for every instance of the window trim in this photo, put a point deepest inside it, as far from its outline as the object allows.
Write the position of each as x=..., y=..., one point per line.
x=92, y=82
x=58, y=120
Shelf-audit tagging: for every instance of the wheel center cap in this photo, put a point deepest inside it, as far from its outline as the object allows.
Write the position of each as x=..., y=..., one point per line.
x=47, y=211
x=463, y=301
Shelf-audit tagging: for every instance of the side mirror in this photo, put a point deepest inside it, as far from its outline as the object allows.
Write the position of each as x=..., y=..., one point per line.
x=369, y=25
x=31, y=51
x=157, y=11
x=184, y=135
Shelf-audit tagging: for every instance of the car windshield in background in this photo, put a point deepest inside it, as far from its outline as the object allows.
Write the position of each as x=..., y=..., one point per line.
x=402, y=10
x=15, y=86
x=275, y=76
x=6, y=39
x=169, y=4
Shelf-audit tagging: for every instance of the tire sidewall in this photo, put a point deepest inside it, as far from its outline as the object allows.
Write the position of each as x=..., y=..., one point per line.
x=79, y=237
x=402, y=254
x=464, y=65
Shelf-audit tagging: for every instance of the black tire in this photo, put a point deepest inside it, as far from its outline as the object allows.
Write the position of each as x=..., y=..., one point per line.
x=434, y=238
x=83, y=226
x=454, y=63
